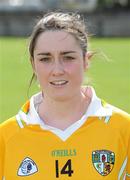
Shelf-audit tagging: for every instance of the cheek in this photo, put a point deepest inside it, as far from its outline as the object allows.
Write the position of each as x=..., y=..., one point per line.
x=40, y=69
x=77, y=67
x=75, y=70
x=41, y=73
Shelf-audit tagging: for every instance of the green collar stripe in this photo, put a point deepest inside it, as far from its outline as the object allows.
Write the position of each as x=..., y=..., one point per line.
x=19, y=121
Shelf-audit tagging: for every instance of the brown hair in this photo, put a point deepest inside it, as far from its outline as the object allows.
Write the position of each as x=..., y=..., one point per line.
x=69, y=22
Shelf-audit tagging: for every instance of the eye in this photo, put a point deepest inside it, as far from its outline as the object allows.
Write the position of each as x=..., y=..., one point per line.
x=45, y=59
x=68, y=58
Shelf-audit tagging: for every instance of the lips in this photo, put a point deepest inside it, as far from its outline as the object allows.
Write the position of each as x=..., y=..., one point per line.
x=58, y=82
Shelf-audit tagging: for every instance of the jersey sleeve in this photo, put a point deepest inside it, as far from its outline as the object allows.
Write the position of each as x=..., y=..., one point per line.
x=128, y=160
x=128, y=164
x=1, y=155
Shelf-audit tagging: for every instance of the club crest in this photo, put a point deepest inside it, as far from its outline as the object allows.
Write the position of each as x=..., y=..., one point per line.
x=103, y=161
x=27, y=167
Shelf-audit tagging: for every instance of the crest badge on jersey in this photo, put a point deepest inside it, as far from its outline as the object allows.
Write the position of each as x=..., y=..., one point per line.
x=27, y=167
x=103, y=161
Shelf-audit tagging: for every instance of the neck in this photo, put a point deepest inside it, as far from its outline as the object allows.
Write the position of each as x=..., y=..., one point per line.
x=63, y=113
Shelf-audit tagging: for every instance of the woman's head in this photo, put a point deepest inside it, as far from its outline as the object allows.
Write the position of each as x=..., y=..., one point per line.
x=58, y=53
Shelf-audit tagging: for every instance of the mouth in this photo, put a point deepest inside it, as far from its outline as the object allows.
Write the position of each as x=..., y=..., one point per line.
x=59, y=82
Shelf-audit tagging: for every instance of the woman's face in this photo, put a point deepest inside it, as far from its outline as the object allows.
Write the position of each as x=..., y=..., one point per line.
x=59, y=64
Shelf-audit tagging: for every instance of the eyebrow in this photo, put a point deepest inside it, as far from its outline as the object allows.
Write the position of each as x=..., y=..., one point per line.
x=62, y=53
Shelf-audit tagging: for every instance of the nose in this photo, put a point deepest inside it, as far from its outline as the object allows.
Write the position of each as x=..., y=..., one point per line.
x=58, y=68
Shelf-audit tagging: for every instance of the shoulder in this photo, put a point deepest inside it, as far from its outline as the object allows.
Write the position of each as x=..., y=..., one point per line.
x=119, y=114
x=8, y=123
x=119, y=119
x=9, y=128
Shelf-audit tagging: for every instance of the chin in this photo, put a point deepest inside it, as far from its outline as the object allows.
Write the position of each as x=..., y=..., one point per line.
x=60, y=97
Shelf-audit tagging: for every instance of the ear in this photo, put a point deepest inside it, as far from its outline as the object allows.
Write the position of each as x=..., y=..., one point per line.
x=87, y=59
x=89, y=55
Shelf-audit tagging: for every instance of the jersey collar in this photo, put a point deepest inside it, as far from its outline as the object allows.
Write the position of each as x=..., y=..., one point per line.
x=29, y=113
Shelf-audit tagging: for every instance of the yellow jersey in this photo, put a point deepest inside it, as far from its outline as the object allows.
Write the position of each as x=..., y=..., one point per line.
x=97, y=147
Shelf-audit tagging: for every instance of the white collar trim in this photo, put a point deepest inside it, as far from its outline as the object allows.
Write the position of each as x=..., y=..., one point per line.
x=95, y=109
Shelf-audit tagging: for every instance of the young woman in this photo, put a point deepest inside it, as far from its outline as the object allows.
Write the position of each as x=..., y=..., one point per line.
x=65, y=131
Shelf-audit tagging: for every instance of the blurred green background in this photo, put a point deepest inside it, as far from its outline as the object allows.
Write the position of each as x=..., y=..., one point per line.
x=109, y=73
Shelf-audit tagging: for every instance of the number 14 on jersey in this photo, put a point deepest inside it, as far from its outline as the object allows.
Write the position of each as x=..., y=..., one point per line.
x=66, y=169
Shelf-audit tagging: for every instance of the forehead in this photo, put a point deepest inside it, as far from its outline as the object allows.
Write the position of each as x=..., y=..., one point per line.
x=56, y=41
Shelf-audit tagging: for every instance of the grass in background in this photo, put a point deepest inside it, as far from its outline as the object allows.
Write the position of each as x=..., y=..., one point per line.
x=109, y=73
